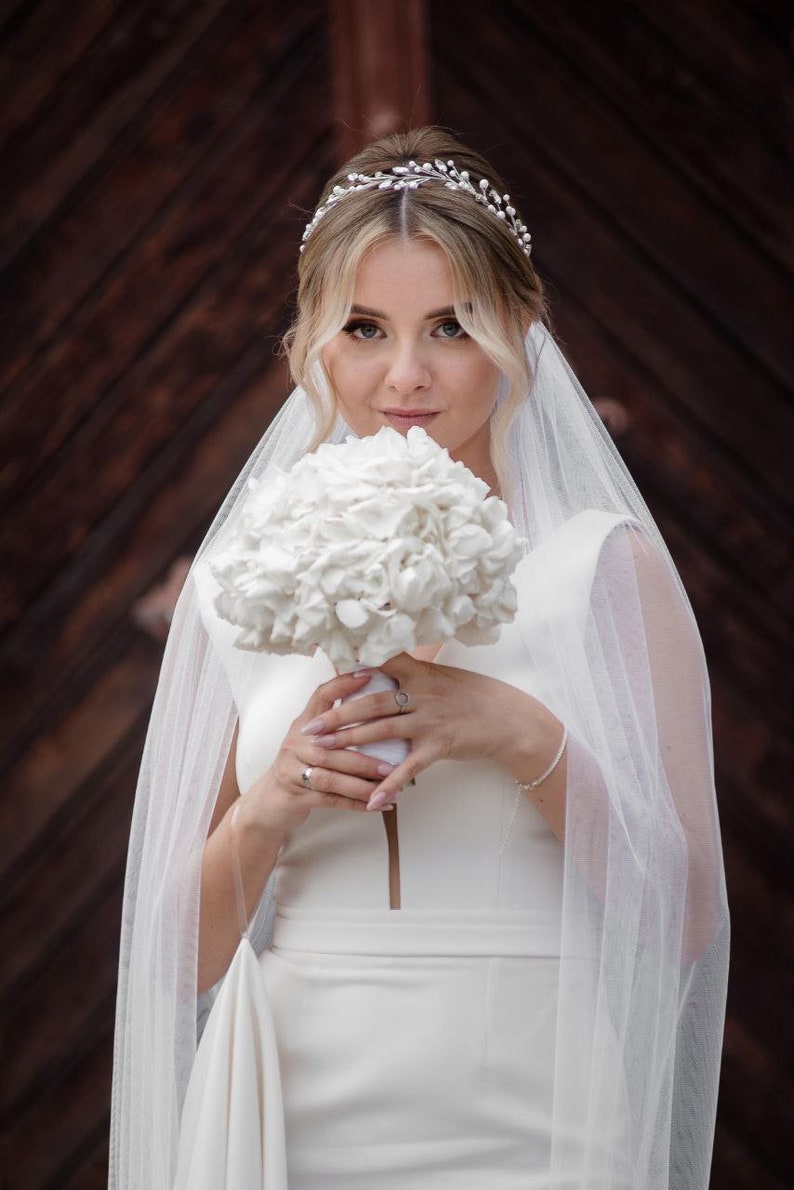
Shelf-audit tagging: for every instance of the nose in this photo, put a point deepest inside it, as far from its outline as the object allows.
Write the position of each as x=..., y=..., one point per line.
x=407, y=371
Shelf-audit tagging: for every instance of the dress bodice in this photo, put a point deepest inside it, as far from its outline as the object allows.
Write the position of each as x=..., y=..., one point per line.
x=466, y=840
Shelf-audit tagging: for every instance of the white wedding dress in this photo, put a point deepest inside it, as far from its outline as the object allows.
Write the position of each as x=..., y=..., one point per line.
x=402, y=1048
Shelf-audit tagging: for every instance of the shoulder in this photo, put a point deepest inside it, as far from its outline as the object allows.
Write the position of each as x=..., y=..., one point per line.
x=222, y=635
x=571, y=552
x=593, y=549
x=206, y=589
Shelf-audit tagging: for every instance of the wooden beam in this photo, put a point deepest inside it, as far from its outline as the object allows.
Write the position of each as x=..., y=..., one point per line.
x=381, y=73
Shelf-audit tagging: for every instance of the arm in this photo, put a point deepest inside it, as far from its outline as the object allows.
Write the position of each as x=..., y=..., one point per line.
x=681, y=697
x=272, y=807
x=640, y=775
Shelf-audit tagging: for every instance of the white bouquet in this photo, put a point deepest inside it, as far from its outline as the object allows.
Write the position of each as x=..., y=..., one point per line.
x=366, y=549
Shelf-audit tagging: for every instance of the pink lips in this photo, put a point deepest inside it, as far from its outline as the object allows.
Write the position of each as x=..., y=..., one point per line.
x=403, y=419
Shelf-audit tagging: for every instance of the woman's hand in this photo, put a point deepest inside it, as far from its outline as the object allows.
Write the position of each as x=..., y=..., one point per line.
x=339, y=779
x=450, y=714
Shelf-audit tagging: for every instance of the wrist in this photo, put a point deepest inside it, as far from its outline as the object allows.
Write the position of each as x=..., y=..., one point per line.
x=259, y=822
x=532, y=738
x=543, y=776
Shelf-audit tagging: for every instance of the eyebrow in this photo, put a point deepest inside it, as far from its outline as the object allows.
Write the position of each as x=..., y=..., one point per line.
x=445, y=312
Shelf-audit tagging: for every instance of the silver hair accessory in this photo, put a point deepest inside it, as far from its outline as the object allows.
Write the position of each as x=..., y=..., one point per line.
x=412, y=175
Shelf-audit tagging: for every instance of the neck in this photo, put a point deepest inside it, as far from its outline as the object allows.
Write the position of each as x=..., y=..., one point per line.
x=476, y=455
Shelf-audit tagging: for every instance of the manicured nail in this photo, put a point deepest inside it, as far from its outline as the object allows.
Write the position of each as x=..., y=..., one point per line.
x=324, y=741
x=377, y=800
x=362, y=673
x=384, y=768
x=312, y=728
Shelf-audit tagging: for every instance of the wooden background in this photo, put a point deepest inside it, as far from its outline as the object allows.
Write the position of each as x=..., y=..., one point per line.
x=162, y=158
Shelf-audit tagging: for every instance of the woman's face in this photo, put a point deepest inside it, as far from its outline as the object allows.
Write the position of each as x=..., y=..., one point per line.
x=403, y=360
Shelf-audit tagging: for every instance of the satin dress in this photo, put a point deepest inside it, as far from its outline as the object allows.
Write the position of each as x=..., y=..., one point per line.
x=412, y=976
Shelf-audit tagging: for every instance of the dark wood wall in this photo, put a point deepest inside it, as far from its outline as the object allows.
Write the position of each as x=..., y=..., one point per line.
x=162, y=157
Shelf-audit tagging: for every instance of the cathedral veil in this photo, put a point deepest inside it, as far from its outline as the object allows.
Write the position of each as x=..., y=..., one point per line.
x=645, y=927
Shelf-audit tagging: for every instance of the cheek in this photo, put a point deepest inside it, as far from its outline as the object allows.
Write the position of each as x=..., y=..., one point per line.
x=478, y=387
x=353, y=382
x=351, y=377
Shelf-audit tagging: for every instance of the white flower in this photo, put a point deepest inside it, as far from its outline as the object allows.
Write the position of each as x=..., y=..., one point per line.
x=366, y=549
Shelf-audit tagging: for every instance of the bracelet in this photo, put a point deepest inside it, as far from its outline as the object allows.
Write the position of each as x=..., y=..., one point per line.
x=528, y=786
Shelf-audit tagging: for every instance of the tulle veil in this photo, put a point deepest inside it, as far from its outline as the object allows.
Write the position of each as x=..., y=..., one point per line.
x=645, y=929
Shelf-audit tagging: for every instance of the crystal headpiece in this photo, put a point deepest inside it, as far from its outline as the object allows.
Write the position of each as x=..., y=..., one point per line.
x=412, y=175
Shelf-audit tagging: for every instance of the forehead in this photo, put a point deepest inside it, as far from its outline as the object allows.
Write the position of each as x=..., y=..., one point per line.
x=401, y=270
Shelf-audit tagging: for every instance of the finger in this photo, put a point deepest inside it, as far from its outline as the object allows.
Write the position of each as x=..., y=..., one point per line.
x=345, y=760
x=394, y=727
x=327, y=694
x=412, y=766
x=368, y=707
x=334, y=801
x=327, y=781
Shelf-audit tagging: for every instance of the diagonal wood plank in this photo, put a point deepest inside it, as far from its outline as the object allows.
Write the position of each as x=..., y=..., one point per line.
x=140, y=188
x=102, y=100
x=603, y=156
x=575, y=244
x=201, y=224
x=693, y=122
x=151, y=403
x=45, y=44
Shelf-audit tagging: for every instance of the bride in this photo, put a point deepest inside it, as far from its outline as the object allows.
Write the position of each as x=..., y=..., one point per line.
x=500, y=962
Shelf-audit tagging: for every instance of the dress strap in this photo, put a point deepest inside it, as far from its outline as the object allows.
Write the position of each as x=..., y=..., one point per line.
x=239, y=894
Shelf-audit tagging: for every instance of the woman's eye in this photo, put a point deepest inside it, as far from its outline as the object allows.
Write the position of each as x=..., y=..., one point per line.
x=451, y=329
x=362, y=330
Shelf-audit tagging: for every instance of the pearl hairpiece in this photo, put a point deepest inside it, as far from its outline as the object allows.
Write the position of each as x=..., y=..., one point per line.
x=412, y=175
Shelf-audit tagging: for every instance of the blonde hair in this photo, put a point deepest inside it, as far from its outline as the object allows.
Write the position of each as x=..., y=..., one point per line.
x=496, y=290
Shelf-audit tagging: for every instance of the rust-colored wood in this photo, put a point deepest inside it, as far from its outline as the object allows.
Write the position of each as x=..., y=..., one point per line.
x=154, y=245
x=96, y=107
x=71, y=1116
x=218, y=174
x=78, y=856
x=57, y=1017
x=716, y=498
x=63, y=760
x=47, y=40
x=153, y=400
x=381, y=72
x=681, y=321
x=86, y=625
x=691, y=79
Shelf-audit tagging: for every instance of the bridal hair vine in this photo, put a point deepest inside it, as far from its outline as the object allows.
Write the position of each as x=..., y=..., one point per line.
x=412, y=175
